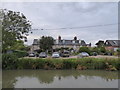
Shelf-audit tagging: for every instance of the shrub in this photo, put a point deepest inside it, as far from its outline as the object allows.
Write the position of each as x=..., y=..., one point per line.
x=95, y=49
x=84, y=49
x=20, y=53
x=102, y=50
x=9, y=61
x=115, y=63
x=67, y=64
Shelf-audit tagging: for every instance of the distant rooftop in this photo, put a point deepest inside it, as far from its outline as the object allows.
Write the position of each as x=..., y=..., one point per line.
x=70, y=42
x=112, y=43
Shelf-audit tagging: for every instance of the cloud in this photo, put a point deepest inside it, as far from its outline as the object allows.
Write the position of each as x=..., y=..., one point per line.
x=55, y=15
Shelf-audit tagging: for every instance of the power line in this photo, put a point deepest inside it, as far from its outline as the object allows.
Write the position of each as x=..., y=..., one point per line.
x=92, y=26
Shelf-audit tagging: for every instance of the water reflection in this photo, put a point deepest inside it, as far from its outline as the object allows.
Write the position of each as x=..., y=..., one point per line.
x=50, y=78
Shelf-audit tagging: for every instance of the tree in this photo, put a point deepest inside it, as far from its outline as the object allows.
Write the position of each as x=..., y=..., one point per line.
x=102, y=50
x=1, y=16
x=18, y=45
x=84, y=49
x=95, y=49
x=100, y=43
x=15, y=26
x=118, y=50
x=46, y=43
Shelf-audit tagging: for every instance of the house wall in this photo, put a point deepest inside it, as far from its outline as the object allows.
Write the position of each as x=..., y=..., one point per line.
x=75, y=47
x=111, y=48
x=67, y=46
x=34, y=47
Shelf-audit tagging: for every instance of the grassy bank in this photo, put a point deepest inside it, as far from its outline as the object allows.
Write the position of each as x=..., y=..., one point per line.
x=79, y=64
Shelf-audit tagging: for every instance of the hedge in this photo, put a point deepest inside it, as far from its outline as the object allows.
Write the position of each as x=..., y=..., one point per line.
x=11, y=62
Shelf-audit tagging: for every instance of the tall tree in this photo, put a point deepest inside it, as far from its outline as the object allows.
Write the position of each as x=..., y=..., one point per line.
x=15, y=26
x=46, y=43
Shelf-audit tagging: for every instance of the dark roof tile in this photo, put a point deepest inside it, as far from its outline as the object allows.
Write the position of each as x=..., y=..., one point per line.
x=113, y=42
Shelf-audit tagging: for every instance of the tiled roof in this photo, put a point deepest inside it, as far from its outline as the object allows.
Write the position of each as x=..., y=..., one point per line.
x=64, y=42
x=112, y=43
x=71, y=42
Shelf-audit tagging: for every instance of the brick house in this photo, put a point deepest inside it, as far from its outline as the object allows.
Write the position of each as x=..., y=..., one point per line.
x=112, y=45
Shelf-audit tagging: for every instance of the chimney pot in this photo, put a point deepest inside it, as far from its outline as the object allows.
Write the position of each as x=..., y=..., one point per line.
x=75, y=38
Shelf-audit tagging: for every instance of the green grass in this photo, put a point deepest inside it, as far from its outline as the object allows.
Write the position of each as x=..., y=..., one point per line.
x=111, y=64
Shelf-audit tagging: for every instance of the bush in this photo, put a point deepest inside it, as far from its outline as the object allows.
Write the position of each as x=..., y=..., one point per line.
x=84, y=49
x=117, y=53
x=102, y=50
x=67, y=64
x=95, y=49
x=9, y=61
x=19, y=53
x=115, y=63
x=81, y=63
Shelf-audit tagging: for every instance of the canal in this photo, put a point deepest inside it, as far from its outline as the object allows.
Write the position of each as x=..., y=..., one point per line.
x=59, y=79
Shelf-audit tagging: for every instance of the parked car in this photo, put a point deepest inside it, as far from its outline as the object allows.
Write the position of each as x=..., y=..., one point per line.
x=31, y=55
x=83, y=54
x=108, y=53
x=94, y=53
x=55, y=55
x=42, y=55
x=65, y=54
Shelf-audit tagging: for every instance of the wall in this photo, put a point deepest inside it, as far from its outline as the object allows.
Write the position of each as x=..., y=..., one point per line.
x=67, y=46
x=34, y=47
x=111, y=48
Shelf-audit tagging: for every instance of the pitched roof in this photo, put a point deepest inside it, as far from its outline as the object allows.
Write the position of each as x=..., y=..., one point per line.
x=71, y=42
x=83, y=43
x=64, y=42
x=112, y=43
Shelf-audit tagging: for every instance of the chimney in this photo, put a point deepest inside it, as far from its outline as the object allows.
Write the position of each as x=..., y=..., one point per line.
x=59, y=38
x=75, y=38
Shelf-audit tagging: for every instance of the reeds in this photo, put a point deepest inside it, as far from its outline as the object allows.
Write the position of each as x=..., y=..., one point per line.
x=11, y=62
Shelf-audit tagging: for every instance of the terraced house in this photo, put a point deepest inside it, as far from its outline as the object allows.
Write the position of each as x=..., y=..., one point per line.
x=75, y=44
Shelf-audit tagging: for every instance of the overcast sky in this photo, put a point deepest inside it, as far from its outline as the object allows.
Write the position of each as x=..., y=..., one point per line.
x=53, y=15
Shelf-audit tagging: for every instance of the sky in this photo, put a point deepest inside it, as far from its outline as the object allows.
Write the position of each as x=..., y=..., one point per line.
x=55, y=15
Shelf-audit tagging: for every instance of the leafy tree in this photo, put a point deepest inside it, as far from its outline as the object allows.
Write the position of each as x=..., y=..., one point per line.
x=19, y=45
x=15, y=26
x=1, y=16
x=95, y=49
x=102, y=50
x=46, y=43
x=117, y=53
x=100, y=43
x=84, y=49
x=118, y=50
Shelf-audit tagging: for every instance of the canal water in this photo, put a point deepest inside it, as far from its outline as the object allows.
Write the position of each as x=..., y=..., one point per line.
x=59, y=79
